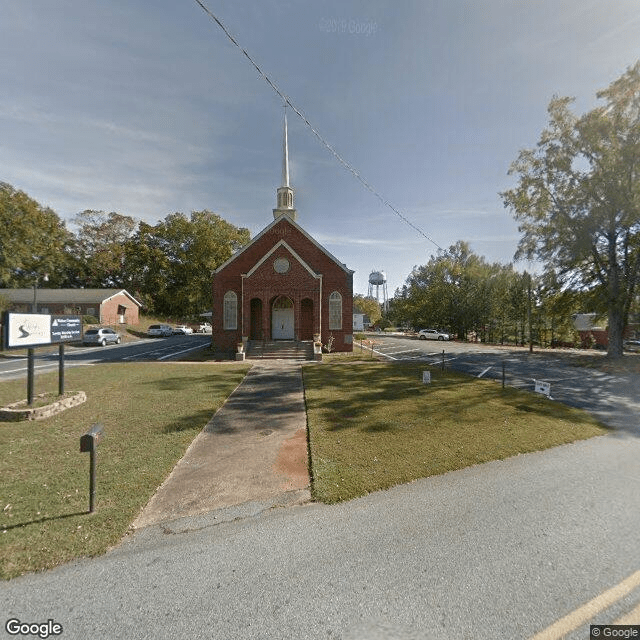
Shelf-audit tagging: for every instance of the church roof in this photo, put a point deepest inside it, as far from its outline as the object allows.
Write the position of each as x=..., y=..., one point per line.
x=284, y=211
x=65, y=296
x=296, y=226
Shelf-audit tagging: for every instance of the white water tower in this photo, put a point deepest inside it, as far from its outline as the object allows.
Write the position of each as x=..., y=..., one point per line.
x=378, y=279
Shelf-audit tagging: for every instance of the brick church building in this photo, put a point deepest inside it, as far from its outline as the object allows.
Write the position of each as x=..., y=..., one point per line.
x=282, y=286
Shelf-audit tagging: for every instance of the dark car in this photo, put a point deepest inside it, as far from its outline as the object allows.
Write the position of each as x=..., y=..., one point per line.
x=101, y=337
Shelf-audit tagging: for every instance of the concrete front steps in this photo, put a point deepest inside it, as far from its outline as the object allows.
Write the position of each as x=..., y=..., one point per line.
x=279, y=350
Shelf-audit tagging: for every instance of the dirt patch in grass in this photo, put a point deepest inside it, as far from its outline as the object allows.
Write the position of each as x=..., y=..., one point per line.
x=150, y=416
x=375, y=425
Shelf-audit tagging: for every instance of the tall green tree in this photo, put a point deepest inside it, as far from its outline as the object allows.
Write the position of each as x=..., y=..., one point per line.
x=170, y=264
x=33, y=240
x=456, y=290
x=577, y=199
x=369, y=306
x=99, y=248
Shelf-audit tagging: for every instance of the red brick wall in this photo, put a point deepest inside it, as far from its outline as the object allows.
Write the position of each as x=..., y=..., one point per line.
x=265, y=284
x=109, y=310
x=107, y=314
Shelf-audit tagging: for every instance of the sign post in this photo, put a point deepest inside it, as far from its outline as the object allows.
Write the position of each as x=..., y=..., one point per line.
x=89, y=442
x=61, y=369
x=29, y=330
x=30, y=370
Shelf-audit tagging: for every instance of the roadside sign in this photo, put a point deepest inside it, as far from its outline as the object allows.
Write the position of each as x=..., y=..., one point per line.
x=542, y=387
x=40, y=329
x=66, y=328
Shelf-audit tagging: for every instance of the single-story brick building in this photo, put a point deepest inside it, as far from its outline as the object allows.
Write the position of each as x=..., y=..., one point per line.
x=283, y=286
x=109, y=306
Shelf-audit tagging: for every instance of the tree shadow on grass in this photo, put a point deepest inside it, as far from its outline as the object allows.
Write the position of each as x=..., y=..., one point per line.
x=378, y=427
x=196, y=420
x=369, y=386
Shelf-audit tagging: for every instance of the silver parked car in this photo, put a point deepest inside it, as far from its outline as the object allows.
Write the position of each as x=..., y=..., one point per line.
x=101, y=336
x=631, y=345
x=432, y=334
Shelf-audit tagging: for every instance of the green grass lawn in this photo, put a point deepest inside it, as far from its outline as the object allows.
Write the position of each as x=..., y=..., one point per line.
x=375, y=425
x=371, y=425
x=150, y=413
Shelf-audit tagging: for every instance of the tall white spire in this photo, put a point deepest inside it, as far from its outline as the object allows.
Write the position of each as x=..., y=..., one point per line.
x=285, y=153
x=284, y=197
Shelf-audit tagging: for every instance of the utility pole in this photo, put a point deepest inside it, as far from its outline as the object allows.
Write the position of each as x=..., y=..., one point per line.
x=529, y=312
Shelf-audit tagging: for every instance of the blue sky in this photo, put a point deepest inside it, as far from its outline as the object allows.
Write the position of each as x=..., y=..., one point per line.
x=145, y=107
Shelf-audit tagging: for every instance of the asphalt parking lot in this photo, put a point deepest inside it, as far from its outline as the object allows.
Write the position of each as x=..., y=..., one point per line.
x=613, y=398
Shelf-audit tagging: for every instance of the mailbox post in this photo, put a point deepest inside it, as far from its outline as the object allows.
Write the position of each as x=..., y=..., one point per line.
x=89, y=442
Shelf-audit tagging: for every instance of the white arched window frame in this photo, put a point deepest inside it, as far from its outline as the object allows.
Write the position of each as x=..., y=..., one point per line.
x=230, y=311
x=335, y=311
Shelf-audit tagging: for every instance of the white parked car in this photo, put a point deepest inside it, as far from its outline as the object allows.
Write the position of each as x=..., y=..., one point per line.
x=162, y=330
x=432, y=334
x=204, y=327
x=182, y=330
x=101, y=336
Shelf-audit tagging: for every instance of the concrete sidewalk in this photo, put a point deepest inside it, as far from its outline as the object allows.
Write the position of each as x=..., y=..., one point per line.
x=253, y=449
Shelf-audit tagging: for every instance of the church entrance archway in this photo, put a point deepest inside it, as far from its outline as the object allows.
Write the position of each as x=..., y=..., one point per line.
x=306, y=319
x=255, y=330
x=282, y=319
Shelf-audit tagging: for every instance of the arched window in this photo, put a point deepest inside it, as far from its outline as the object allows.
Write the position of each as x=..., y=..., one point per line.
x=230, y=314
x=335, y=311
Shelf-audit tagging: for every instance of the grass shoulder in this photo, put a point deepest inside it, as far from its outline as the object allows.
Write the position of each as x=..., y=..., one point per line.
x=150, y=416
x=376, y=425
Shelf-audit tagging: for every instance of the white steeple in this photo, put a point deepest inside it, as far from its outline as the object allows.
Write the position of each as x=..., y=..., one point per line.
x=285, y=153
x=284, y=197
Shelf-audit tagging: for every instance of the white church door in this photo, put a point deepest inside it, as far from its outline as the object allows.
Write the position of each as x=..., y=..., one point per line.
x=282, y=319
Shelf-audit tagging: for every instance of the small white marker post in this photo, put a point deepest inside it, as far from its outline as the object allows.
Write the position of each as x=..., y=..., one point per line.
x=426, y=377
x=543, y=387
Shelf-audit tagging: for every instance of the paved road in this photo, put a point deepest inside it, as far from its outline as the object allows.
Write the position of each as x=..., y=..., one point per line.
x=145, y=349
x=495, y=551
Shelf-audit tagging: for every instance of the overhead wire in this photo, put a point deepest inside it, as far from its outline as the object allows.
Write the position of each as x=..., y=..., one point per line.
x=304, y=119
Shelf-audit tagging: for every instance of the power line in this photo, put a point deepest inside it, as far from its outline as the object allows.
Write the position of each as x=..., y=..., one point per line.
x=304, y=119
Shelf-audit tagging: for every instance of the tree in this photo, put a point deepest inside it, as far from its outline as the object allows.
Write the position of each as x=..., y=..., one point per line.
x=368, y=306
x=33, y=240
x=578, y=199
x=99, y=248
x=456, y=290
x=170, y=264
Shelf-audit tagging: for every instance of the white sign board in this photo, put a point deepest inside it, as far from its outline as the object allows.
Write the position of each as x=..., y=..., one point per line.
x=28, y=329
x=426, y=377
x=542, y=387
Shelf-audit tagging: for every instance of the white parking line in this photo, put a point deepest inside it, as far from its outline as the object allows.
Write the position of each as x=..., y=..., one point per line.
x=41, y=366
x=52, y=365
x=485, y=371
x=380, y=353
x=404, y=351
x=400, y=350
x=177, y=353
